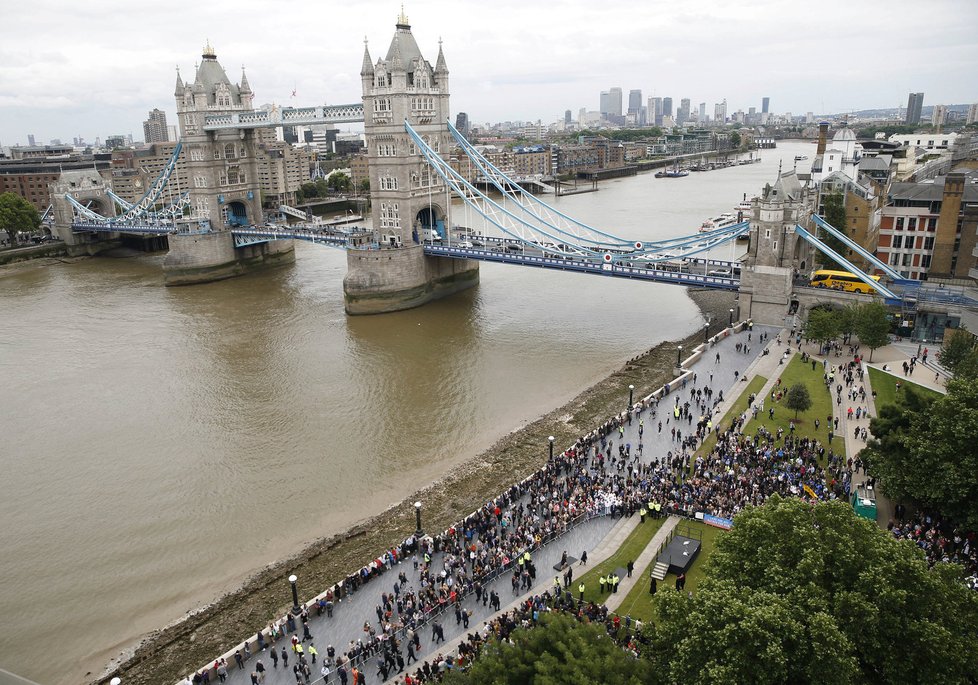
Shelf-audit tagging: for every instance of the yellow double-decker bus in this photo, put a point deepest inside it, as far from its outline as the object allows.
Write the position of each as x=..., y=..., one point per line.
x=841, y=280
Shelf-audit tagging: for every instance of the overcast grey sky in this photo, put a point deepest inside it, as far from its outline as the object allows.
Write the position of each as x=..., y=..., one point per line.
x=95, y=68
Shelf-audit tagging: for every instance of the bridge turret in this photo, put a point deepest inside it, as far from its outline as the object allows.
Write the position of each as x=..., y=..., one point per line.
x=178, y=89
x=407, y=197
x=244, y=89
x=776, y=253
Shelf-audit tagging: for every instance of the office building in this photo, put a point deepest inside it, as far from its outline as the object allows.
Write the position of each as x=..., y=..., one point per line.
x=655, y=111
x=765, y=105
x=462, y=123
x=914, y=104
x=667, y=107
x=567, y=117
x=634, y=102
x=972, y=114
x=720, y=112
x=154, y=128
x=682, y=116
x=939, y=115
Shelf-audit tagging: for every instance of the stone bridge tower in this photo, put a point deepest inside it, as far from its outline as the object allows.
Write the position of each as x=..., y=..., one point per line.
x=408, y=199
x=222, y=166
x=222, y=170
x=776, y=252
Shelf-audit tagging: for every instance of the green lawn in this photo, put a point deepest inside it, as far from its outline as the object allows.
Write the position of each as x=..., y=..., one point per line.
x=885, y=386
x=797, y=371
x=637, y=541
x=638, y=603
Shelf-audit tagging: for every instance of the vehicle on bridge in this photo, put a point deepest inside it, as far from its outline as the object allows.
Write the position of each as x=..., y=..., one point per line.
x=840, y=280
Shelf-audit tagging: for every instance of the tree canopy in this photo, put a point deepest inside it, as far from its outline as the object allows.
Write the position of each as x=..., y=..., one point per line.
x=871, y=323
x=798, y=398
x=958, y=346
x=17, y=214
x=558, y=650
x=924, y=450
x=810, y=593
x=822, y=325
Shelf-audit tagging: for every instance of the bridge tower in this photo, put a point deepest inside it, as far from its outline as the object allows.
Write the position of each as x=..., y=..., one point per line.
x=776, y=252
x=222, y=170
x=88, y=187
x=408, y=199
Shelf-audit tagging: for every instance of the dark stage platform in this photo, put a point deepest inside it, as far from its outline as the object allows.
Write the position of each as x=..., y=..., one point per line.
x=680, y=554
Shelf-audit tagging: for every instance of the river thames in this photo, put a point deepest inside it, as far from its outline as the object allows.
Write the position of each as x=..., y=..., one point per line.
x=160, y=444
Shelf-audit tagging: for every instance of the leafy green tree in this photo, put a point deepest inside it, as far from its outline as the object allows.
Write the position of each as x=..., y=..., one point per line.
x=338, y=181
x=926, y=452
x=957, y=346
x=558, y=650
x=735, y=140
x=798, y=398
x=822, y=325
x=365, y=185
x=810, y=593
x=872, y=325
x=834, y=209
x=17, y=214
x=308, y=191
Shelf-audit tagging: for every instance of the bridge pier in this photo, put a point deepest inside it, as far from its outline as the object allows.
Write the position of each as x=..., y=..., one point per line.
x=393, y=279
x=204, y=257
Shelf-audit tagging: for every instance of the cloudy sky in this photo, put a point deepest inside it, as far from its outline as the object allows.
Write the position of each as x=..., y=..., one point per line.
x=96, y=67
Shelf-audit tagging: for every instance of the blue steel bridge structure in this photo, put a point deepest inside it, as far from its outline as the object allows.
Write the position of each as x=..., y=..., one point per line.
x=530, y=231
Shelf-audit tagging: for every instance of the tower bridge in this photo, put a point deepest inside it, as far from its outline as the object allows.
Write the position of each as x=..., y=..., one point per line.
x=415, y=252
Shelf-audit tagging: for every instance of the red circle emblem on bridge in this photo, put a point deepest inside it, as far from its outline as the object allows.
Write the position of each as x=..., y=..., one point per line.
x=607, y=256
x=638, y=246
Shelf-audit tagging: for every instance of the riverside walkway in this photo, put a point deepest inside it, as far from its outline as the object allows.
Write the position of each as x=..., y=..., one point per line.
x=599, y=536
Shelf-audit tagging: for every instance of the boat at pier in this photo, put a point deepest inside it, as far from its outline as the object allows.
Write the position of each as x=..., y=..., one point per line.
x=723, y=221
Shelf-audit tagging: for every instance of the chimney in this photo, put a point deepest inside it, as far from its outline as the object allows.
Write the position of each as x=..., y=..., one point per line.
x=823, y=134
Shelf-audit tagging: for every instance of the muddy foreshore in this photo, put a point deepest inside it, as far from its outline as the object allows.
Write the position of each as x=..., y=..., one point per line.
x=169, y=654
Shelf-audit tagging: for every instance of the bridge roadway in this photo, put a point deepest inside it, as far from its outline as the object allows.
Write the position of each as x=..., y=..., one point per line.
x=348, y=618
x=525, y=254
x=490, y=249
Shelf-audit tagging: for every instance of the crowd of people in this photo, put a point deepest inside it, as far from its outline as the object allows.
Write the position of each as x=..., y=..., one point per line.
x=601, y=474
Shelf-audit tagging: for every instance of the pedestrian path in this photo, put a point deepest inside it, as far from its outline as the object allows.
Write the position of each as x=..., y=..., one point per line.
x=721, y=367
x=644, y=559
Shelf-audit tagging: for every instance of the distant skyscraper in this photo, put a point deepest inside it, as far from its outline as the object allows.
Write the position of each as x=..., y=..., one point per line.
x=634, y=101
x=605, y=108
x=939, y=115
x=154, y=128
x=914, y=104
x=720, y=112
x=972, y=114
x=30, y=139
x=667, y=107
x=655, y=111
x=765, y=105
x=682, y=116
x=567, y=117
x=616, y=101
x=462, y=123
x=702, y=116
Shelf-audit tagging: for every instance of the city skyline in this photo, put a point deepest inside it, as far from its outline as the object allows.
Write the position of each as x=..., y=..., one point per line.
x=61, y=80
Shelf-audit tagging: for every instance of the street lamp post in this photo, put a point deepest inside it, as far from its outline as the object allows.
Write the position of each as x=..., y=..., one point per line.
x=706, y=331
x=679, y=356
x=551, y=441
x=631, y=396
x=419, y=531
x=731, y=316
x=295, y=596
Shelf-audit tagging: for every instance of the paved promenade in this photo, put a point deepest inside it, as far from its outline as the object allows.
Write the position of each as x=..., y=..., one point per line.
x=721, y=367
